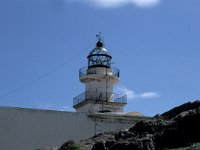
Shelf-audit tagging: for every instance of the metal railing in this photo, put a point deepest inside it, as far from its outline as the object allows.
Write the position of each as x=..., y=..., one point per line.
x=99, y=70
x=100, y=97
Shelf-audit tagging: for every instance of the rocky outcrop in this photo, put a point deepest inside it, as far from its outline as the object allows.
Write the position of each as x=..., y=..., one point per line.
x=180, y=109
x=182, y=132
x=180, y=127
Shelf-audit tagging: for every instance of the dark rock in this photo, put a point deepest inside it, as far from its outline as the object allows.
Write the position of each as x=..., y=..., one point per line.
x=181, y=129
x=148, y=143
x=99, y=146
x=118, y=146
x=124, y=135
x=132, y=146
x=108, y=144
x=184, y=131
x=177, y=110
x=150, y=126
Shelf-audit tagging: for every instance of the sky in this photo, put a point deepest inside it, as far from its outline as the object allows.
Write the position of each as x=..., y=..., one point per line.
x=154, y=43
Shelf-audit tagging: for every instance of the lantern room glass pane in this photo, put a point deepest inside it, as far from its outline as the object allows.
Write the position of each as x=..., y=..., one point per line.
x=99, y=57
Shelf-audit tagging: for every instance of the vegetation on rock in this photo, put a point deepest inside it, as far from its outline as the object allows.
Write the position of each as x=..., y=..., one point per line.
x=69, y=145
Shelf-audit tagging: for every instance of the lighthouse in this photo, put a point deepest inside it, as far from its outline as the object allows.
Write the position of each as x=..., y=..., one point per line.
x=99, y=77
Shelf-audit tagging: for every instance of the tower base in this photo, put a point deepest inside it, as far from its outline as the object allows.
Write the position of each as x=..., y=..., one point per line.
x=100, y=106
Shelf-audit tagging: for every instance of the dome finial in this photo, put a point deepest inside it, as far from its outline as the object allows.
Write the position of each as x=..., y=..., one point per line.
x=99, y=37
x=100, y=42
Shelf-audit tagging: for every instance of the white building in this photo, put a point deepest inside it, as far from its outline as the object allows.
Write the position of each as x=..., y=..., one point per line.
x=98, y=110
x=99, y=77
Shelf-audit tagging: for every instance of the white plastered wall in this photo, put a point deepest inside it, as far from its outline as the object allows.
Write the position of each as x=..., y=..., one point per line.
x=30, y=129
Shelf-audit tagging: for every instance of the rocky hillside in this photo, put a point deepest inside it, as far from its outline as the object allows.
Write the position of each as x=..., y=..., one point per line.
x=181, y=109
x=179, y=127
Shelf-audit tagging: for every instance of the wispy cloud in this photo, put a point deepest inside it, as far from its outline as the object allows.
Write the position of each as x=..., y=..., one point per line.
x=119, y=3
x=131, y=95
x=49, y=106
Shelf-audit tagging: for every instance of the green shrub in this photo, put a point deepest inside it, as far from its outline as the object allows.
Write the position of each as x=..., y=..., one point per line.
x=69, y=145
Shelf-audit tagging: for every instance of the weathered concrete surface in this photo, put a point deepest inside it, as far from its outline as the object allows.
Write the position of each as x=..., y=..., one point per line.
x=29, y=129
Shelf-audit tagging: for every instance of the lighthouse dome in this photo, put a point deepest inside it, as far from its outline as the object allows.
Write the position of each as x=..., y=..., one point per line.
x=99, y=56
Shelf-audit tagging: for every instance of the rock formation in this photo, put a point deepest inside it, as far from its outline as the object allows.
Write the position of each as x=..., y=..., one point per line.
x=178, y=127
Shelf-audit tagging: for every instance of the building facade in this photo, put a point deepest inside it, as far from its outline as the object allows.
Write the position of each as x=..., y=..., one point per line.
x=31, y=129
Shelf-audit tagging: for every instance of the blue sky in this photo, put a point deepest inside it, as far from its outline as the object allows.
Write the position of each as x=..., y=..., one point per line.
x=154, y=43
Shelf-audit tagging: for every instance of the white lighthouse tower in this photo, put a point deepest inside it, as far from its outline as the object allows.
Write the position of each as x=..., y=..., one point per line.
x=99, y=77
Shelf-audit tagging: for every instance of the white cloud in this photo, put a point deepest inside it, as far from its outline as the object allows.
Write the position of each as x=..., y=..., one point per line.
x=148, y=95
x=119, y=3
x=131, y=95
x=122, y=89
